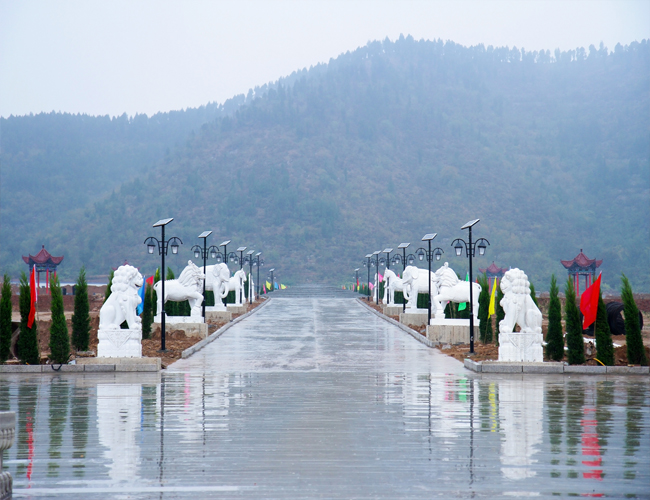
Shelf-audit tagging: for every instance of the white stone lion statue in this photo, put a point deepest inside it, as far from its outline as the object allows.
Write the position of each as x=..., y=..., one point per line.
x=124, y=299
x=235, y=283
x=187, y=286
x=518, y=305
x=446, y=287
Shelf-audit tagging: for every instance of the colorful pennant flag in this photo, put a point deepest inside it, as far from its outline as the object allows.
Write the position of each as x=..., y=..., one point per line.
x=589, y=303
x=492, y=309
x=140, y=307
x=283, y=287
x=149, y=280
x=276, y=285
x=33, y=292
x=264, y=287
x=371, y=285
x=268, y=285
x=381, y=278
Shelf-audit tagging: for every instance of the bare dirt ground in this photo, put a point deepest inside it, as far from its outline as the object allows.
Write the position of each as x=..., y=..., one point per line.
x=490, y=352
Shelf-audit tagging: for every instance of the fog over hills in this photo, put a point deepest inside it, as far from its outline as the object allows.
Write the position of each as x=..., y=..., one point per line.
x=379, y=146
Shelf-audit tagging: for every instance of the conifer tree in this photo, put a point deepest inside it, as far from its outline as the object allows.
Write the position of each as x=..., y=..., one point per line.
x=107, y=293
x=171, y=308
x=635, y=349
x=28, y=341
x=554, y=335
x=5, y=320
x=533, y=295
x=483, y=307
x=59, y=338
x=154, y=295
x=500, y=313
x=147, y=312
x=604, y=345
x=81, y=316
x=574, y=338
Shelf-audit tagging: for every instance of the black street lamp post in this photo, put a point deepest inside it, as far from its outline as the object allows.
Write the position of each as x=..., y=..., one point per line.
x=421, y=252
x=271, y=271
x=203, y=252
x=162, y=245
x=257, y=262
x=241, y=257
x=470, y=250
x=368, y=263
x=356, y=278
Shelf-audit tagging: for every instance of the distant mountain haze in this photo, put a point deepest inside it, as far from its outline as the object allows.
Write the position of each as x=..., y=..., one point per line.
x=379, y=146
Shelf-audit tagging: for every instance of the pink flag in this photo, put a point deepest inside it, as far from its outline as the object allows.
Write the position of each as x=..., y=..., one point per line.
x=371, y=285
x=381, y=278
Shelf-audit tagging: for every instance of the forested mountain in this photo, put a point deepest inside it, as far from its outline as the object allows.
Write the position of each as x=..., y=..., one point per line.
x=382, y=145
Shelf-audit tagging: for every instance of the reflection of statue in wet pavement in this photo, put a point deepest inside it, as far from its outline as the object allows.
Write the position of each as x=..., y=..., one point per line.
x=521, y=414
x=519, y=308
x=118, y=422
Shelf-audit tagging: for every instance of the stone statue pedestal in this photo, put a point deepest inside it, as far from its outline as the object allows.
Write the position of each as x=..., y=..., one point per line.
x=217, y=316
x=119, y=343
x=190, y=329
x=415, y=317
x=393, y=310
x=451, y=331
x=237, y=308
x=179, y=319
x=216, y=308
x=521, y=347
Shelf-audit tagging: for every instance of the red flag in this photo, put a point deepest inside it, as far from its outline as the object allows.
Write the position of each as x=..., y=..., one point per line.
x=33, y=296
x=589, y=303
x=149, y=280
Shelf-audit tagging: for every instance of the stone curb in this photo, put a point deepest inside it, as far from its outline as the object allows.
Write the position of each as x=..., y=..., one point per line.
x=552, y=367
x=416, y=335
x=200, y=345
x=47, y=369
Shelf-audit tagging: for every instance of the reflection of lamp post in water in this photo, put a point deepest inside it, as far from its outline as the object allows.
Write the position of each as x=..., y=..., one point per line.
x=162, y=244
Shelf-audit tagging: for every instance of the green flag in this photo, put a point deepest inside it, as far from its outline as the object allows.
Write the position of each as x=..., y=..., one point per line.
x=463, y=305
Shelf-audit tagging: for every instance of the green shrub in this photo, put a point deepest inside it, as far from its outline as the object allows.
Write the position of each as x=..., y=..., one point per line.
x=635, y=349
x=81, y=316
x=554, y=335
x=147, y=312
x=28, y=341
x=59, y=339
x=574, y=338
x=483, y=307
x=604, y=345
x=5, y=320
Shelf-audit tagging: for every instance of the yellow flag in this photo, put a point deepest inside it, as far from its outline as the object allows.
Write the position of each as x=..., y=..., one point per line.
x=268, y=286
x=492, y=309
x=283, y=287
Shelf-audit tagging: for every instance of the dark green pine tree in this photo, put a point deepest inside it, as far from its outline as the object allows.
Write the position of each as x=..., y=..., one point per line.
x=28, y=341
x=635, y=350
x=604, y=345
x=483, y=306
x=574, y=340
x=533, y=295
x=171, y=308
x=81, y=316
x=500, y=313
x=107, y=293
x=59, y=338
x=147, y=312
x=554, y=335
x=5, y=320
x=154, y=295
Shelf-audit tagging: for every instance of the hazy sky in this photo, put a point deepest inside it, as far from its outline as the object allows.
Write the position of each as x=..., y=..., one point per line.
x=140, y=56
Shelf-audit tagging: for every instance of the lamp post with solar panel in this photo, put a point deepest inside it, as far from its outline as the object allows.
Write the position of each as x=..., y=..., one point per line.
x=204, y=252
x=163, y=246
x=470, y=251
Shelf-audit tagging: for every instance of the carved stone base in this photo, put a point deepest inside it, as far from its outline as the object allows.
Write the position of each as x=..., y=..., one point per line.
x=393, y=310
x=450, y=331
x=415, y=317
x=179, y=319
x=521, y=347
x=118, y=343
x=217, y=316
x=237, y=309
x=199, y=330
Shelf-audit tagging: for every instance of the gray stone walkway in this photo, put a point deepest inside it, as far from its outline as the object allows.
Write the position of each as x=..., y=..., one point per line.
x=318, y=398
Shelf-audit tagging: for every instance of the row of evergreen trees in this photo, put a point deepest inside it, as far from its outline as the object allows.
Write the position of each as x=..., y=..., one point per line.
x=27, y=348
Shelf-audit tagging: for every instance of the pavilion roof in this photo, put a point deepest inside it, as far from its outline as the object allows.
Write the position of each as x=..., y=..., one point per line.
x=42, y=257
x=493, y=269
x=581, y=261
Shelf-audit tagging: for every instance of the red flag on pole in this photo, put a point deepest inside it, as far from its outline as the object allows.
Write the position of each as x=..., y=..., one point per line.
x=33, y=296
x=589, y=303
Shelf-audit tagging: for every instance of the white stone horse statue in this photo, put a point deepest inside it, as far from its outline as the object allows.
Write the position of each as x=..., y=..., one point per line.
x=446, y=287
x=394, y=284
x=414, y=281
x=215, y=278
x=235, y=283
x=187, y=286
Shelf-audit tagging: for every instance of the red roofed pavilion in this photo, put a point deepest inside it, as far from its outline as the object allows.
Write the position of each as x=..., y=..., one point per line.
x=44, y=262
x=581, y=265
x=493, y=272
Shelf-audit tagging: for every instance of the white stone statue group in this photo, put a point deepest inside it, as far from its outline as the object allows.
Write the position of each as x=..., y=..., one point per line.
x=445, y=288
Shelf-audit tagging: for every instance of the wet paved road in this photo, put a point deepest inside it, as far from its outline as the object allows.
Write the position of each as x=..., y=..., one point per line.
x=321, y=399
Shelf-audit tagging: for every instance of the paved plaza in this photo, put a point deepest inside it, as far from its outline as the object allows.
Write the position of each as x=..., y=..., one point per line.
x=320, y=398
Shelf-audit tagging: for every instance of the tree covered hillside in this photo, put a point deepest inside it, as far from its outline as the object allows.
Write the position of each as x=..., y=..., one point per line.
x=398, y=139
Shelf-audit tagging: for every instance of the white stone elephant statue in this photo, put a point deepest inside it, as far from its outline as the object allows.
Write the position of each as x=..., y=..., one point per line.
x=235, y=283
x=414, y=281
x=446, y=287
x=215, y=278
x=392, y=284
x=187, y=286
